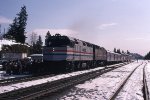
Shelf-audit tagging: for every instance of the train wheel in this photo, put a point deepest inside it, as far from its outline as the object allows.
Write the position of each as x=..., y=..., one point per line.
x=94, y=64
x=72, y=66
x=67, y=67
x=87, y=65
x=76, y=66
x=79, y=66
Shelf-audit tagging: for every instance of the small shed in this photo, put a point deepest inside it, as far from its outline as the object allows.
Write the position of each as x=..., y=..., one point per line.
x=13, y=51
x=14, y=56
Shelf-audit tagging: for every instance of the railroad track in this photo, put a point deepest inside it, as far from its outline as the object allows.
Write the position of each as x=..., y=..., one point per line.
x=145, y=88
x=22, y=79
x=50, y=87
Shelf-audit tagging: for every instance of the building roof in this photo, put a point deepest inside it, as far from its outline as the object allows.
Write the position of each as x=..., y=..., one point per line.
x=35, y=55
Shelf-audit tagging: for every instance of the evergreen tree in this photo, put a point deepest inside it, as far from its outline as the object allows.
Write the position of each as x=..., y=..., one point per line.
x=39, y=42
x=115, y=50
x=12, y=30
x=37, y=47
x=16, y=30
x=22, y=18
x=128, y=52
x=123, y=52
x=147, y=56
x=118, y=51
x=47, y=36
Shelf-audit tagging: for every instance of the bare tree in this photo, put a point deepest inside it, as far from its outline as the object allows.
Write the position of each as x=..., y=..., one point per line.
x=33, y=38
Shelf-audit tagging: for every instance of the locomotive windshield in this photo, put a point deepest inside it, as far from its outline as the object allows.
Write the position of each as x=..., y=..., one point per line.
x=57, y=41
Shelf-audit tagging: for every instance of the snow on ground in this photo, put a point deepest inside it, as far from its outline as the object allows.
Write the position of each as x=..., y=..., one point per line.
x=41, y=81
x=100, y=88
x=133, y=88
x=147, y=70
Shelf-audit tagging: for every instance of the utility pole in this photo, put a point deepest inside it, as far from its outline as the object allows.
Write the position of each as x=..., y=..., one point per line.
x=3, y=33
x=0, y=33
x=4, y=30
x=0, y=28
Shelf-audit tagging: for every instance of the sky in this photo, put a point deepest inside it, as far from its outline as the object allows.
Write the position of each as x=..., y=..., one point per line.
x=121, y=24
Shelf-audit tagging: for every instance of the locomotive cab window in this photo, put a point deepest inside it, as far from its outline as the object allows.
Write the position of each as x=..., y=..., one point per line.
x=76, y=42
x=84, y=44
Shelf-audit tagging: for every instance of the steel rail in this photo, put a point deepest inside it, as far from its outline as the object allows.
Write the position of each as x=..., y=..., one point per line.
x=47, y=88
x=145, y=87
x=22, y=79
x=113, y=96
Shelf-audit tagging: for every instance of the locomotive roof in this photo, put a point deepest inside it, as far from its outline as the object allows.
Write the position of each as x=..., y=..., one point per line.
x=36, y=55
x=77, y=41
x=88, y=43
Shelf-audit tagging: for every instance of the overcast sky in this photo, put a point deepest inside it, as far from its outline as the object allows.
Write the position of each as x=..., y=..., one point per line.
x=123, y=24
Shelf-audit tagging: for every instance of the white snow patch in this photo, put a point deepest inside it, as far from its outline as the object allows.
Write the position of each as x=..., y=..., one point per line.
x=6, y=42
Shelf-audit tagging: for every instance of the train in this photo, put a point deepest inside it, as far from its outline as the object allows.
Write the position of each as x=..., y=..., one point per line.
x=64, y=53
